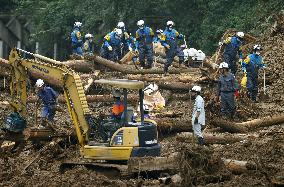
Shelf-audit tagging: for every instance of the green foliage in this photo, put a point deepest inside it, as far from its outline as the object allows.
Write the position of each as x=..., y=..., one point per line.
x=202, y=21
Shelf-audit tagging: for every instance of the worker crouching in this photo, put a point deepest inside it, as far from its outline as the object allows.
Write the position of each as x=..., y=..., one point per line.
x=48, y=97
x=198, y=114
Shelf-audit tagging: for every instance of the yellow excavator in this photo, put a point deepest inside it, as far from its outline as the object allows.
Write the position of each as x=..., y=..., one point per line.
x=136, y=143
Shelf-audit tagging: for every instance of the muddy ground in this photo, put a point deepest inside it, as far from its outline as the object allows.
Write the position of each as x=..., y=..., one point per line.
x=198, y=166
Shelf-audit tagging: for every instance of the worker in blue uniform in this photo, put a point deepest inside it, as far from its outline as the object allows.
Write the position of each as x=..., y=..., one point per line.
x=233, y=47
x=76, y=39
x=169, y=41
x=226, y=88
x=251, y=66
x=144, y=44
x=111, y=48
x=48, y=98
x=88, y=45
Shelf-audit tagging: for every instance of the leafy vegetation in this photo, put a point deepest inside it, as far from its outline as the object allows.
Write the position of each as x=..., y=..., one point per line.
x=202, y=21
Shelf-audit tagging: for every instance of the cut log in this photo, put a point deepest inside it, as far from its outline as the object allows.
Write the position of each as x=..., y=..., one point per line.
x=91, y=98
x=123, y=69
x=170, y=125
x=249, y=125
x=80, y=65
x=237, y=166
x=214, y=138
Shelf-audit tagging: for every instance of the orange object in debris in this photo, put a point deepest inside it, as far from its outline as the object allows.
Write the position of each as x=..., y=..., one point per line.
x=118, y=108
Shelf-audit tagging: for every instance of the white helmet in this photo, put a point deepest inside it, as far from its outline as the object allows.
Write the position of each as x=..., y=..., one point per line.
x=145, y=107
x=257, y=47
x=240, y=34
x=116, y=93
x=223, y=65
x=151, y=88
x=88, y=36
x=77, y=24
x=196, y=88
x=140, y=23
x=120, y=25
x=39, y=83
x=118, y=32
x=170, y=23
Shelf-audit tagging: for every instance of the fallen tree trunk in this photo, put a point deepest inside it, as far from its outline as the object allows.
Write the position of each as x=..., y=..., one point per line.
x=175, y=86
x=249, y=125
x=126, y=70
x=90, y=98
x=214, y=138
x=237, y=166
x=170, y=125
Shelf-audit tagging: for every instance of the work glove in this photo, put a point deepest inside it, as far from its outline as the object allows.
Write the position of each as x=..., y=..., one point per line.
x=109, y=48
x=181, y=36
x=240, y=61
x=195, y=120
x=168, y=47
x=130, y=48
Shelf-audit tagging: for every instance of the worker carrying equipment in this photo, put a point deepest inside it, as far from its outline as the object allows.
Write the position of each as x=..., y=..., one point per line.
x=233, y=46
x=111, y=48
x=251, y=66
x=169, y=41
x=76, y=39
x=198, y=114
x=88, y=45
x=126, y=38
x=226, y=89
x=144, y=44
x=49, y=99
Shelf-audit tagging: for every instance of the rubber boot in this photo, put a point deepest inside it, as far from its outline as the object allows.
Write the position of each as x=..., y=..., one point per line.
x=200, y=141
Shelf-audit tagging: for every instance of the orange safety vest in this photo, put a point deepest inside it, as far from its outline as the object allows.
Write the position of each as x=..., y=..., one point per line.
x=118, y=108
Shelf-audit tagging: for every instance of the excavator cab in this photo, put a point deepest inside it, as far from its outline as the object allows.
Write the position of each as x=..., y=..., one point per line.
x=141, y=136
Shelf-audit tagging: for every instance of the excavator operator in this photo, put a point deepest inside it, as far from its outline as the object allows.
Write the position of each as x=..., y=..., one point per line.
x=118, y=107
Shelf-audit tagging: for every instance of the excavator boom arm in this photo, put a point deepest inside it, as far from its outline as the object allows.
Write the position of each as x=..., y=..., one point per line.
x=68, y=79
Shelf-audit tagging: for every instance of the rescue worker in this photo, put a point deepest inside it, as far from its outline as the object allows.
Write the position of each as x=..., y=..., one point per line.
x=169, y=41
x=111, y=48
x=198, y=114
x=88, y=45
x=144, y=44
x=126, y=40
x=76, y=39
x=48, y=97
x=250, y=66
x=226, y=89
x=157, y=38
x=118, y=107
x=233, y=47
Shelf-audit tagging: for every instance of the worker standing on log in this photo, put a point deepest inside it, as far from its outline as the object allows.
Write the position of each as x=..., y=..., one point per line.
x=76, y=39
x=144, y=44
x=233, y=46
x=198, y=114
x=226, y=89
x=169, y=41
x=250, y=66
x=88, y=45
x=49, y=99
x=111, y=48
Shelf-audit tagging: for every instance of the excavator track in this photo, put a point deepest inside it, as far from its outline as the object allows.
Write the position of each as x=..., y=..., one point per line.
x=134, y=166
